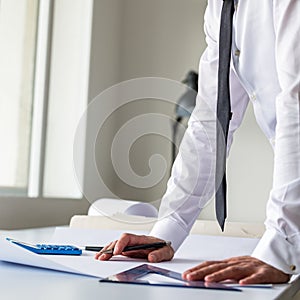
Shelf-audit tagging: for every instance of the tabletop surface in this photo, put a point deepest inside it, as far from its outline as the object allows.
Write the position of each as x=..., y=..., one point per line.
x=24, y=282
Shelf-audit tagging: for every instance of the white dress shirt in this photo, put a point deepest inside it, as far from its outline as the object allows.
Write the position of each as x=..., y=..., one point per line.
x=265, y=70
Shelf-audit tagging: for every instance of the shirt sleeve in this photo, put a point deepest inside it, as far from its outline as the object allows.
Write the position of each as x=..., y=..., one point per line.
x=280, y=245
x=192, y=180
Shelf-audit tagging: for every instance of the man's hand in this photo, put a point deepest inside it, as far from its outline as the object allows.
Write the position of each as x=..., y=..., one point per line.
x=127, y=239
x=244, y=269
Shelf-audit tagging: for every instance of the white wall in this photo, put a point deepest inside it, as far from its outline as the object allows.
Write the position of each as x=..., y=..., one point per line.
x=104, y=72
x=141, y=38
x=165, y=39
x=161, y=37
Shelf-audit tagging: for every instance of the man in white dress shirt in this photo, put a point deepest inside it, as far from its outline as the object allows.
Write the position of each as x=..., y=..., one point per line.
x=265, y=70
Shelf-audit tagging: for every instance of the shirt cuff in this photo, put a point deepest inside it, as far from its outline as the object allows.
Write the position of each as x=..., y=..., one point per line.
x=169, y=230
x=279, y=252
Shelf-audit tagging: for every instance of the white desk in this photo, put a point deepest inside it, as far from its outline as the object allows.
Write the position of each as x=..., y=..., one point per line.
x=22, y=282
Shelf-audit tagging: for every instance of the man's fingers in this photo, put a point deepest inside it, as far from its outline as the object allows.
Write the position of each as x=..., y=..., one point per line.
x=244, y=269
x=202, y=265
x=128, y=239
x=201, y=272
x=233, y=272
x=154, y=256
x=102, y=256
x=122, y=243
x=164, y=254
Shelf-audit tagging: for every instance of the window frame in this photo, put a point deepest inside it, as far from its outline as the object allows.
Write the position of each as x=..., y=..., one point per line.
x=40, y=99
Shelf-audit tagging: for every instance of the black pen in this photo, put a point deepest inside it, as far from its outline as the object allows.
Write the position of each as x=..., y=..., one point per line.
x=93, y=248
x=130, y=248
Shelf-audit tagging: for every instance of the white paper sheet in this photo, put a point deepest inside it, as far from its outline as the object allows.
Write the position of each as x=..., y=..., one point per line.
x=195, y=249
x=110, y=207
x=203, y=247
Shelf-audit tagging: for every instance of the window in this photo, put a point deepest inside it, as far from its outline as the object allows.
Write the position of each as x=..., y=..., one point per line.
x=18, y=27
x=44, y=58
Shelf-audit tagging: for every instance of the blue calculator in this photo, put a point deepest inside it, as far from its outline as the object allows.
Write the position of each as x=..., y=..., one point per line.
x=48, y=249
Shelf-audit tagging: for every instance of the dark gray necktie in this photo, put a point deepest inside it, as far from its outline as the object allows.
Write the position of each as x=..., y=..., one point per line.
x=223, y=108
